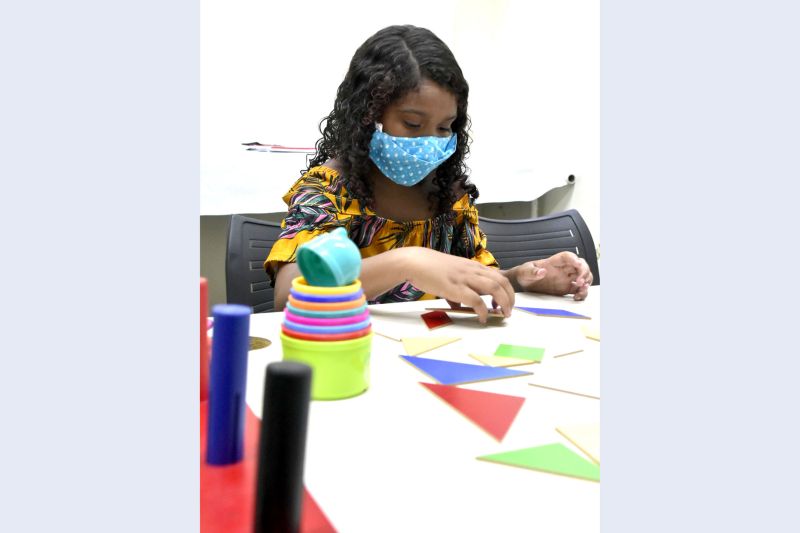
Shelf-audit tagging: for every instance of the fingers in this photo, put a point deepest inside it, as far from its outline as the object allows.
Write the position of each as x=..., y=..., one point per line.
x=581, y=293
x=452, y=304
x=576, y=268
x=495, y=284
x=473, y=299
x=483, y=280
x=578, y=264
x=506, y=285
x=462, y=281
x=583, y=280
x=584, y=272
x=491, y=282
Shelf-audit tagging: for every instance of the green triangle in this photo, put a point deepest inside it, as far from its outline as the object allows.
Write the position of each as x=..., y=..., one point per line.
x=554, y=458
x=520, y=352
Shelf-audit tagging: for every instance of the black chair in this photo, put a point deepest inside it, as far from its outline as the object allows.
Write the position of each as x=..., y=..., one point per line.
x=246, y=281
x=513, y=242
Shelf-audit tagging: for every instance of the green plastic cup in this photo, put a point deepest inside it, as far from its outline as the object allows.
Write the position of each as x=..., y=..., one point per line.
x=340, y=368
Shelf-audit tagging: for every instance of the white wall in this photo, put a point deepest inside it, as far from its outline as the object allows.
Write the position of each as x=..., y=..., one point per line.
x=270, y=72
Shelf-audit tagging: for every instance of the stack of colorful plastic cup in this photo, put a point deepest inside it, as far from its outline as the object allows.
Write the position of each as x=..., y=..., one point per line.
x=326, y=322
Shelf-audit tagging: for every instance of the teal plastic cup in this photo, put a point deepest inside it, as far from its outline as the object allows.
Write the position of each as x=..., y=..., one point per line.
x=330, y=260
x=340, y=368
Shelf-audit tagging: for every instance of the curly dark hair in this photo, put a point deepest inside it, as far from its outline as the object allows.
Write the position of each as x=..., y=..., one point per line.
x=386, y=67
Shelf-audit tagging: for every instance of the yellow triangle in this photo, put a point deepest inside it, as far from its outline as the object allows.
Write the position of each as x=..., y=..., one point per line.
x=591, y=332
x=586, y=437
x=491, y=360
x=418, y=345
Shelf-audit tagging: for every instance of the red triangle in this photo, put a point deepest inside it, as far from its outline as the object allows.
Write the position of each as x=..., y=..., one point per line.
x=493, y=412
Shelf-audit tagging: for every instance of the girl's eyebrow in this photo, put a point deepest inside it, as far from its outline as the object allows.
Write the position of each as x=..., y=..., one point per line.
x=423, y=113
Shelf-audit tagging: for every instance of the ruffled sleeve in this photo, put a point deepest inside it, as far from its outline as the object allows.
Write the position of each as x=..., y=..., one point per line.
x=313, y=209
x=474, y=238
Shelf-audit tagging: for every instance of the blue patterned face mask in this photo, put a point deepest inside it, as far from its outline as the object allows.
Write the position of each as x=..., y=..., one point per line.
x=407, y=160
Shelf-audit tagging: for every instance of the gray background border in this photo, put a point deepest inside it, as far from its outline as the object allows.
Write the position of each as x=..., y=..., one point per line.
x=699, y=176
x=100, y=211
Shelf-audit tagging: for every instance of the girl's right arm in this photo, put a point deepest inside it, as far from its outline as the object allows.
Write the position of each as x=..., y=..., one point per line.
x=454, y=278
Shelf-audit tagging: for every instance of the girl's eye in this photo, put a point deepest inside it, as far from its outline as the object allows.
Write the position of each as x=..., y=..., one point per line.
x=446, y=130
x=410, y=125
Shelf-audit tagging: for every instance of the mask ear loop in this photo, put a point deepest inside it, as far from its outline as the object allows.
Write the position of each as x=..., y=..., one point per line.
x=379, y=127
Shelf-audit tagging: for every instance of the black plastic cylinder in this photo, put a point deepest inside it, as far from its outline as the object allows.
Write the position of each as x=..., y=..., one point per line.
x=282, y=446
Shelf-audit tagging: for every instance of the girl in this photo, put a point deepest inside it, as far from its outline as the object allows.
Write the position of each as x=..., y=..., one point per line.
x=390, y=169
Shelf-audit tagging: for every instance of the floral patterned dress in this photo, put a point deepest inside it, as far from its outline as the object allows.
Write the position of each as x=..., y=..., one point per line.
x=318, y=202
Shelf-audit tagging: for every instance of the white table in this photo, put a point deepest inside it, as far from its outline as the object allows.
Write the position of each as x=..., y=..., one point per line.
x=397, y=458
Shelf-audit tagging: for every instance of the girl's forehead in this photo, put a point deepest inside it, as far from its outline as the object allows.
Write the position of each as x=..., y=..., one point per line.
x=427, y=94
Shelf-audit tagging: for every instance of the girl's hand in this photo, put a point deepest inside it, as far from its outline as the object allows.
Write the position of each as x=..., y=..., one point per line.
x=559, y=274
x=458, y=279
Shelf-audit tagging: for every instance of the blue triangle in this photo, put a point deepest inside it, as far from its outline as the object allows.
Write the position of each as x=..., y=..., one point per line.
x=543, y=311
x=448, y=373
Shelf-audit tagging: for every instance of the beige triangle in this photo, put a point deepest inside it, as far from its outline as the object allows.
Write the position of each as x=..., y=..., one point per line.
x=418, y=345
x=591, y=332
x=491, y=360
x=586, y=437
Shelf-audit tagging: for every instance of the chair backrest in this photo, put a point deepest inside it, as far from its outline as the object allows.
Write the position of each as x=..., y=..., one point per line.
x=513, y=242
x=246, y=281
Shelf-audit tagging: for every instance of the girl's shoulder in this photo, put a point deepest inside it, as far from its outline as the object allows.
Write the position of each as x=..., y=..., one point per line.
x=323, y=180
